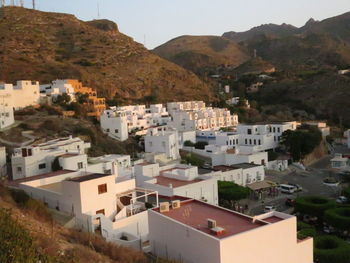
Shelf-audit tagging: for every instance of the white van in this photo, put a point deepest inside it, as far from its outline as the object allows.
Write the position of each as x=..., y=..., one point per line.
x=286, y=188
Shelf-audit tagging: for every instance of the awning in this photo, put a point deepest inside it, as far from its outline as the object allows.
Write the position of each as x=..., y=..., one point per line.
x=261, y=185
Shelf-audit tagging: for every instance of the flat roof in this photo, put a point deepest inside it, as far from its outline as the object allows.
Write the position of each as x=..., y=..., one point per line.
x=166, y=181
x=87, y=177
x=224, y=168
x=245, y=165
x=55, y=187
x=42, y=176
x=196, y=214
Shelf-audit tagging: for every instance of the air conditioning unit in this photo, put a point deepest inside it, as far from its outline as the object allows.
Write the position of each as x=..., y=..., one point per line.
x=164, y=207
x=175, y=204
x=218, y=231
x=211, y=223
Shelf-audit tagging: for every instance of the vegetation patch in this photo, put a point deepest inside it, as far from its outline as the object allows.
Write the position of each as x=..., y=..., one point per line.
x=313, y=205
x=331, y=249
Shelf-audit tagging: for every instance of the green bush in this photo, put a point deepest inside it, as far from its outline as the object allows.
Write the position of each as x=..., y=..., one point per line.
x=200, y=145
x=193, y=160
x=302, y=225
x=338, y=217
x=188, y=144
x=347, y=192
x=313, y=205
x=331, y=249
x=231, y=191
x=307, y=232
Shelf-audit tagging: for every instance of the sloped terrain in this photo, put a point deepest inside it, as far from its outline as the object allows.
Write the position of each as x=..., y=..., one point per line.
x=202, y=53
x=45, y=46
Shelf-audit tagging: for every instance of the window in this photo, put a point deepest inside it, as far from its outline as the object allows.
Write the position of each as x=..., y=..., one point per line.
x=102, y=211
x=249, y=131
x=254, y=141
x=246, y=141
x=116, y=130
x=279, y=129
x=80, y=165
x=42, y=166
x=102, y=188
x=107, y=130
x=19, y=169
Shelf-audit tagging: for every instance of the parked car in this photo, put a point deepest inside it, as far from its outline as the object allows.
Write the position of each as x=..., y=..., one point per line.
x=206, y=166
x=286, y=188
x=342, y=200
x=269, y=208
x=298, y=187
x=290, y=202
x=310, y=219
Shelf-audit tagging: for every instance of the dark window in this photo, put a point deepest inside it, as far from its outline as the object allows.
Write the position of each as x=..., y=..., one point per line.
x=102, y=188
x=24, y=152
x=107, y=130
x=102, y=211
x=80, y=165
x=246, y=141
x=30, y=152
x=116, y=130
x=42, y=166
x=249, y=131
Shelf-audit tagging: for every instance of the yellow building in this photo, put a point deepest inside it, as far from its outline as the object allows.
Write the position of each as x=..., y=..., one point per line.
x=95, y=105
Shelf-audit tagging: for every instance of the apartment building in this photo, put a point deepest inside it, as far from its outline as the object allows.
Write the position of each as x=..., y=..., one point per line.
x=58, y=87
x=118, y=122
x=6, y=106
x=25, y=93
x=95, y=105
x=163, y=140
x=193, y=231
x=38, y=159
x=194, y=115
x=177, y=180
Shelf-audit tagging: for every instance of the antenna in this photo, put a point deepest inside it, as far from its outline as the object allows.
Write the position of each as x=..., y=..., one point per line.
x=33, y=4
x=98, y=10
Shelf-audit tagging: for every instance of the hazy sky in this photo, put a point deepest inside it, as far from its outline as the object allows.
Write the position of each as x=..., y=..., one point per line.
x=162, y=20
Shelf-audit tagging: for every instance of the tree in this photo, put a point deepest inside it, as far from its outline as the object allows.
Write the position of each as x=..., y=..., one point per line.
x=193, y=160
x=231, y=191
x=82, y=97
x=302, y=141
x=188, y=143
x=200, y=145
x=63, y=99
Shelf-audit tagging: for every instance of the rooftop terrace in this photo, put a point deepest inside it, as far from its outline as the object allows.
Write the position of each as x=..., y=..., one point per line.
x=166, y=181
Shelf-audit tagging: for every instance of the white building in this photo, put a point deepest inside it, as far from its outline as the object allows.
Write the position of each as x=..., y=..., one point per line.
x=58, y=87
x=192, y=231
x=24, y=93
x=6, y=106
x=38, y=159
x=194, y=115
x=163, y=140
x=177, y=180
x=103, y=202
x=114, y=124
x=117, y=120
x=340, y=162
x=241, y=174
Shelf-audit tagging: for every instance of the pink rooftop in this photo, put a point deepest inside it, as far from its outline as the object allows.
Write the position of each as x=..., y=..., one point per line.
x=195, y=214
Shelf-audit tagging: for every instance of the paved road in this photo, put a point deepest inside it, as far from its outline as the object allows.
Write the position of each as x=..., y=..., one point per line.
x=311, y=181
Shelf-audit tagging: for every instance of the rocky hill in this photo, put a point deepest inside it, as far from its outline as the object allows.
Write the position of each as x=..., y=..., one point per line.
x=317, y=44
x=45, y=46
x=268, y=30
x=202, y=53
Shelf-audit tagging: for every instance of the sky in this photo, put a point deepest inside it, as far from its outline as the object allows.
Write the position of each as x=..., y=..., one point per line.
x=155, y=22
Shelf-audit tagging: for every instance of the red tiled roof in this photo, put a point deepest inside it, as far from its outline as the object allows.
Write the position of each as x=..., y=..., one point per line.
x=195, y=214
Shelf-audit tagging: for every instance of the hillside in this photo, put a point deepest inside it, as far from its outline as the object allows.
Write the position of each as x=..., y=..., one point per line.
x=46, y=46
x=268, y=31
x=317, y=44
x=202, y=53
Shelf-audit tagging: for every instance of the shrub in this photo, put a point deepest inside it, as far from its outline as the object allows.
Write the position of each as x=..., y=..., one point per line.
x=200, y=145
x=331, y=249
x=38, y=210
x=231, y=191
x=307, y=232
x=19, y=196
x=56, y=165
x=188, y=143
x=313, y=205
x=16, y=243
x=301, y=225
x=193, y=160
x=347, y=192
x=338, y=217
